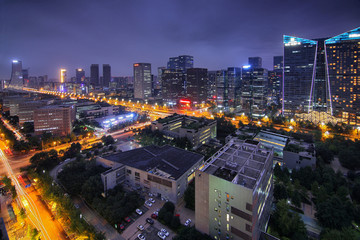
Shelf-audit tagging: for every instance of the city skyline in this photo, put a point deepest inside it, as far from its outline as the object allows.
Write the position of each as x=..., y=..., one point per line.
x=126, y=33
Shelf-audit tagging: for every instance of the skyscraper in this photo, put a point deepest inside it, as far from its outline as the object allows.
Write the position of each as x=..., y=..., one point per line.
x=342, y=60
x=94, y=74
x=228, y=87
x=255, y=62
x=16, y=80
x=254, y=91
x=196, y=89
x=321, y=75
x=182, y=62
x=80, y=75
x=172, y=88
x=278, y=63
x=62, y=79
x=142, y=80
x=106, y=75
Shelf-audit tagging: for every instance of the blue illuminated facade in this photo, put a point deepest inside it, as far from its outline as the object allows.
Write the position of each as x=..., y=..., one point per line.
x=323, y=75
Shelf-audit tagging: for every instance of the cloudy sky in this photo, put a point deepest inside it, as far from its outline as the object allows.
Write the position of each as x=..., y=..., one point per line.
x=50, y=34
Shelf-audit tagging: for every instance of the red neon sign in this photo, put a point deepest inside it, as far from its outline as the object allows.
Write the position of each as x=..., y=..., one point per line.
x=185, y=101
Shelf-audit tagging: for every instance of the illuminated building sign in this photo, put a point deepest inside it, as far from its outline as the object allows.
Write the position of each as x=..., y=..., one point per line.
x=136, y=65
x=350, y=35
x=184, y=101
x=295, y=41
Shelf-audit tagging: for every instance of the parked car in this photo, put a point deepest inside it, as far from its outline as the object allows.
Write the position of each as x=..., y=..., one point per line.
x=150, y=221
x=141, y=236
x=121, y=227
x=161, y=235
x=151, y=200
x=149, y=204
x=138, y=211
x=127, y=219
x=154, y=216
x=163, y=230
x=141, y=227
x=188, y=222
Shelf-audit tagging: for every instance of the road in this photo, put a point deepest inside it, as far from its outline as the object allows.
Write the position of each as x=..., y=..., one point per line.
x=36, y=213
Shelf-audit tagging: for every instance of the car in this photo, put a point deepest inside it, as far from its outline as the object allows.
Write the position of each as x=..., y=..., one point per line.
x=127, y=219
x=156, y=212
x=161, y=235
x=149, y=204
x=150, y=194
x=140, y=227
x=150, y=221
x=154, y=216
x=141, y=236
x=121, y=227
x=138, y=211
x=151, y=200
x=188, y=222
x=163, y=230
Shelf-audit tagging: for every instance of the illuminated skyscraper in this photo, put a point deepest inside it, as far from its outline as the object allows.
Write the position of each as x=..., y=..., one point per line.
x=142, y=80
x=80, y=75
x=255, y=62
x=322, y=75
x=183, y=63
x=94, y=74
x=106, y=75
x=62, y=79
x=196, y=89
x=172, y=88
x=343, y=53
x=16, y=80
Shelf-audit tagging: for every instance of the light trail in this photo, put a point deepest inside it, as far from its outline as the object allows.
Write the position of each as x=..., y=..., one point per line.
x=24, y=195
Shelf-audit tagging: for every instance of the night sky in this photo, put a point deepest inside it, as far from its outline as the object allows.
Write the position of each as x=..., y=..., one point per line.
x=49, y=34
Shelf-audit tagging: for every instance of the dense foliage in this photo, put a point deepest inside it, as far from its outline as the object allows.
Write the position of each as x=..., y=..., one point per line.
x=189, y=196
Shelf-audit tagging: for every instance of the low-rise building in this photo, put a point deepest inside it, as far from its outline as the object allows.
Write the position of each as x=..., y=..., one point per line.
x=26, y=110
x=92, y=110
x=55, y=119
x=233, y=191
x=164, y=171
x=299, y=154
x=197, y=130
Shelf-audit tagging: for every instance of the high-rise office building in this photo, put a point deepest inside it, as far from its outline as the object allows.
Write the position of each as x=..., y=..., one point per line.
x=278, y=63
x=228, y=88
x=80, y=75
x=142, y=80
x=196, y=84
x=172, y=87
x=16, y=80
x=25, y=73
x=255, y=62
x=254, y=91
x=343, y=64
x=182, y=62
x=94, y=74
x=106, y=75
x=234, y=191
x=321, y=75
x=211, y=86
x=62, y=79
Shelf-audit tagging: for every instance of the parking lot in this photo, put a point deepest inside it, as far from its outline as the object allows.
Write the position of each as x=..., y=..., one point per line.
x=150, y=232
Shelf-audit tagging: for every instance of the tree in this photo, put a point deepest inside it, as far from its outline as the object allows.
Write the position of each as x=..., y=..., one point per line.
x=169, y=207
x=280, y=191
x=344, y=234
x=189, y=196
x=190, y=233
x=175, y=222
x=107, y=140
x=334, y=213
x=288, y=224
x=28, y=127
x=92, y=188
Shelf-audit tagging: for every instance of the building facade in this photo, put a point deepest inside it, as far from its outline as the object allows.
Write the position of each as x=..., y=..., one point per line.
x=55, y=119
x=322, y=75
x=172, y=85
x=142, y=80
x=197, y=130
x=106, y=75
x=182, y=63
x=94, y=74
x=16, y=80
x=80, y=75
x=233, y=192
x=163, y=171
x=255, y=62
x=196, y=84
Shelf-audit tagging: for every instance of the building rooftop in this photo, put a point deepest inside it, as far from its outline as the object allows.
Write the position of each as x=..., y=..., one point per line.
x=240, y=162
x=187, y=121
x=272, y=139
x=165, y=161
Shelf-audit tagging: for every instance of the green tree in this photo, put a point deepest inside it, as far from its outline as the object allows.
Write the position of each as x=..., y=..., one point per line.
x=344, y=234
x=189, y=196
x=280, y=191
x=175, y=222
